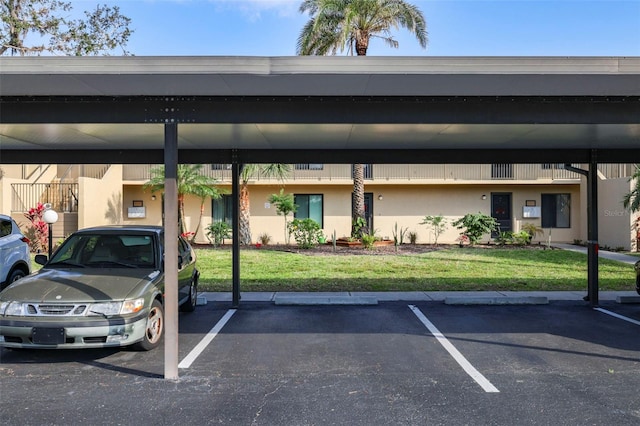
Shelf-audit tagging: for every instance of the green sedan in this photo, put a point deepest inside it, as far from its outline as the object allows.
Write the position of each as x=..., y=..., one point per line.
x=103, y=287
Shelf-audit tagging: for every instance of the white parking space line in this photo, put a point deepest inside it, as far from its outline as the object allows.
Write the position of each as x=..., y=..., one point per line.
x=622, y=317
x=460, y=359
x=195, y=352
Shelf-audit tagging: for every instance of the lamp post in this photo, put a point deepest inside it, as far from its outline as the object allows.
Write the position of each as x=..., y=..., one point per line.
x=50, y=217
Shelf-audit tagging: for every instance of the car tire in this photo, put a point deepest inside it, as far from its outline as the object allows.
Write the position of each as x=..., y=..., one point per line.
x=154, y=328
x=15, y=275
x=190, y=304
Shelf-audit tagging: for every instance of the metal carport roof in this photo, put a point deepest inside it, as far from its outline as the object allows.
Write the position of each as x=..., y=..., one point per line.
x=318, y=109
x=328, y=109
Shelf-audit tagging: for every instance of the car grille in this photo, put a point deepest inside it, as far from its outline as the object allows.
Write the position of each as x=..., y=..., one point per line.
x=42, y=309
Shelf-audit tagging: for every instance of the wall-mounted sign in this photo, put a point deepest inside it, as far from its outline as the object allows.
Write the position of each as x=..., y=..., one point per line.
x=530, y=212
x=136, y=212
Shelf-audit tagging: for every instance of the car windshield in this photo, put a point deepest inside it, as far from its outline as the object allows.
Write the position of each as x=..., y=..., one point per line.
x=105, y=251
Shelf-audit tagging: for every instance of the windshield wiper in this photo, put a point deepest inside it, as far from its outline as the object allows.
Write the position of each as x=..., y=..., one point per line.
x=67, y=263
x=112, y=262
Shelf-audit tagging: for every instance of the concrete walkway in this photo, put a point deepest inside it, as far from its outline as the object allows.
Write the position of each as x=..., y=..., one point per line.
x=620, y=257
x=448, y=297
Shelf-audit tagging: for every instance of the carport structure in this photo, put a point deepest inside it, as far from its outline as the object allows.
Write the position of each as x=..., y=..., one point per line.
x=242, y=110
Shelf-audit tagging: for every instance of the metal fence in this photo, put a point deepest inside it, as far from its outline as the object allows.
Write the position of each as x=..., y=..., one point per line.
x=63, y=197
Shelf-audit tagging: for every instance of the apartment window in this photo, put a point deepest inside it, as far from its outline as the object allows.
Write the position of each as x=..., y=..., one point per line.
x=309, y=166
x=309, y=206
x=556, y=210
x=222, y=209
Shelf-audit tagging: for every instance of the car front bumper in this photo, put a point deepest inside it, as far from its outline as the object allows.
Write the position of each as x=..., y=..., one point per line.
x=57, y=334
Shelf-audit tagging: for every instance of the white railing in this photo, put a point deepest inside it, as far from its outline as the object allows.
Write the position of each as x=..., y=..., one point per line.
x=411, y=172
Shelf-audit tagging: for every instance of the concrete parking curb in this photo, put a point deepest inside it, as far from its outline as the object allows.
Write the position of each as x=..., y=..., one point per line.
x=470, y=300
x=324, y=300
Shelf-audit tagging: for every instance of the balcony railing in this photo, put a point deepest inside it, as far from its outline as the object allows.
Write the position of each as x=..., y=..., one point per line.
x=397, y=172
x=63, y=197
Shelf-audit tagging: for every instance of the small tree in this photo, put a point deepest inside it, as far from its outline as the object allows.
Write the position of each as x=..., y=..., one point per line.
x=284, y=205
x=474, y=226
x=438, y=225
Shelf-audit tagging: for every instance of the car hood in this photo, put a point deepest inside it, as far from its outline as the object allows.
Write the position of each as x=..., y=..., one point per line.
x=56, y=285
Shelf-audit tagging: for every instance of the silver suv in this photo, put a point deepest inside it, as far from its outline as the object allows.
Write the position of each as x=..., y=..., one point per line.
x=15, y=261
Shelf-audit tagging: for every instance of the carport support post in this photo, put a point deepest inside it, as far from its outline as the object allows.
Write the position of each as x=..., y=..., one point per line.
x=171, y=233
x=592, y=226
x=592, y=231
x=235, y=231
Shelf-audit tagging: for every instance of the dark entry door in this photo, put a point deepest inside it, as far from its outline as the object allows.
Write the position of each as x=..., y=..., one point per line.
x=501, y=211
x=368, y=210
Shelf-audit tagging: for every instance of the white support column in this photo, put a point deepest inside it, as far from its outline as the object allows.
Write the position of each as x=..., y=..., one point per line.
x=171, y=232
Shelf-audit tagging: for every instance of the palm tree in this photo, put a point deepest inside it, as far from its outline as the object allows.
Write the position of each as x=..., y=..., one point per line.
x=631, y=200
x=351, y=24
x=190, y=181
x=249, y=171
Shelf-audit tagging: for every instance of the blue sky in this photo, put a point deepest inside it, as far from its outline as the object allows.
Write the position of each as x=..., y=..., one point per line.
x=456, y=27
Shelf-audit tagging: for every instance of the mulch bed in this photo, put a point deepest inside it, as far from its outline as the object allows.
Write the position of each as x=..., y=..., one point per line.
x=404, y=249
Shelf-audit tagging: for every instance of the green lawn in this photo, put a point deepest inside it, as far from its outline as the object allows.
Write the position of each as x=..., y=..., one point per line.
x=444, y=270
x=449, y=269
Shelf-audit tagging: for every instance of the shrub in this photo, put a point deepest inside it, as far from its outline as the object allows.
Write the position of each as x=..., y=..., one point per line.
x=521, y=238
x=532, y=230
x=38, y=231
x=217, y=232
x=476, y=225
x=413, y=237
x=306, y=232
x=264, y=239
x=368, y=240
x=504, y=237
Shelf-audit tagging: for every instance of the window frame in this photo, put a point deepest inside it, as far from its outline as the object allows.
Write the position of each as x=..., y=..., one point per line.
x=308, y=215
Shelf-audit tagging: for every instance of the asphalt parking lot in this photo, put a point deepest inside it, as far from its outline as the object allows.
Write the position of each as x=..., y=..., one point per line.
x=395, y=363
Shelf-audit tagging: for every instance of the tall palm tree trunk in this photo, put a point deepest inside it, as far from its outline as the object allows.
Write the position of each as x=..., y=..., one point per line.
x=358, y=214
x=181, y=225
x=193, y=238
x=244, y=225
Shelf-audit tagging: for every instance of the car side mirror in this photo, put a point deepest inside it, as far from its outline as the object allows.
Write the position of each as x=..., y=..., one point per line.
x=41, y=259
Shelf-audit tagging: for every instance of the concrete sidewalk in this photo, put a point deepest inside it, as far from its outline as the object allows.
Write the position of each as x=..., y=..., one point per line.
x=449, y=297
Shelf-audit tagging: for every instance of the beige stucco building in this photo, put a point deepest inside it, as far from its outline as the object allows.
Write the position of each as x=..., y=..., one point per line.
x=546, y=195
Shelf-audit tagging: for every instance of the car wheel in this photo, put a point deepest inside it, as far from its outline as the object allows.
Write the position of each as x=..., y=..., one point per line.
x=153, y=329
x=190, y=304
x=16, y=275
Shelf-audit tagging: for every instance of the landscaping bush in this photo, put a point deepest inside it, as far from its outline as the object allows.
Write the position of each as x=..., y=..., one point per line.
x=476, y=225
x=306, y=232
x=217, y=232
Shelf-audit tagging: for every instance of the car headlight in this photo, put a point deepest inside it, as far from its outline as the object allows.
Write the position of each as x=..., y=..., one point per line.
x=106, y=309
x=132, y=306
x=11, y=308
x=117, y=308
